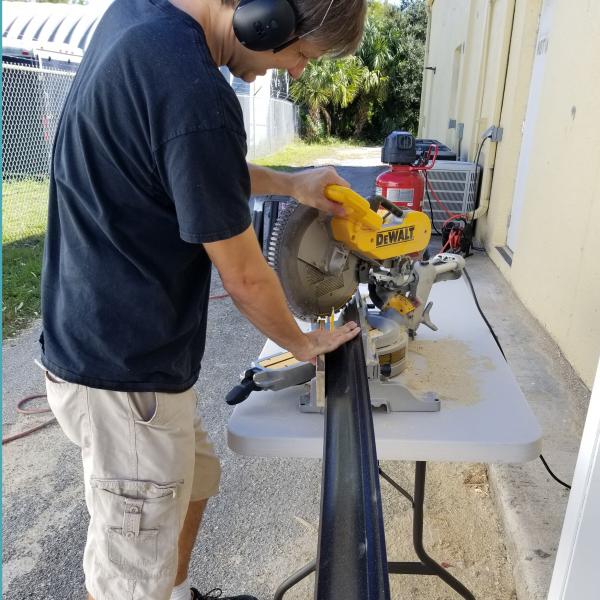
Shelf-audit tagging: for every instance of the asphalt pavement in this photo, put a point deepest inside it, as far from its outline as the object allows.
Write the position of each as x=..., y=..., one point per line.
x=264, y=523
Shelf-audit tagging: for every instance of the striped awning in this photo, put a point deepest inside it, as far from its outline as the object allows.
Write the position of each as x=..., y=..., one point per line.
x=49, y=24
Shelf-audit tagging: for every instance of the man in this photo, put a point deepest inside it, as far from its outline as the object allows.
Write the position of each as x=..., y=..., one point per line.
x=149, y=187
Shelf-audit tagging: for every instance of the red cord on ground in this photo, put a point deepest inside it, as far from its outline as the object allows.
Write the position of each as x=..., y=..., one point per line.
x=29, y=411
x=452, y=217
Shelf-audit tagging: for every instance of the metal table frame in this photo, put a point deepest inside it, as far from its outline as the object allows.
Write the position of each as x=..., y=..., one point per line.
x=499, y=427
x=425, y=566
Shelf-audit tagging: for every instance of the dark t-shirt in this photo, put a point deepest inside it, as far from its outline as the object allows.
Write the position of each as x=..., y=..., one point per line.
x=149, y=163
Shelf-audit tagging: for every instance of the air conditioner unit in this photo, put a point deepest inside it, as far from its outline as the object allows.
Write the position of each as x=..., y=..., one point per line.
x=456, y=184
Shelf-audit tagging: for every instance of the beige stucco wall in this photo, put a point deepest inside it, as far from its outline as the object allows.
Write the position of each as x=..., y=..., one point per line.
x=555, y=268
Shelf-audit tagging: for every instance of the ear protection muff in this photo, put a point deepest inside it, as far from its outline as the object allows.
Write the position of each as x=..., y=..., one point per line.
x=264, y=24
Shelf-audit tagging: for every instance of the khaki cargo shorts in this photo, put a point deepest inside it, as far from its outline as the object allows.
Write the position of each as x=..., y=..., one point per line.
x=145, y=456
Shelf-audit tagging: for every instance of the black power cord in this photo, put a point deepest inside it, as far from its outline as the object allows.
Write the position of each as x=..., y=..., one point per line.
x=552, y=474
x=483, y=315
x=566, y=485
x=430, y=204
x=476, y=163
x=478, y=153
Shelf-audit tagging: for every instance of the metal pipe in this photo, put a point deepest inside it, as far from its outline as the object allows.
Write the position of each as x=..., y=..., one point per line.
x=489, y=161
x=352, y=560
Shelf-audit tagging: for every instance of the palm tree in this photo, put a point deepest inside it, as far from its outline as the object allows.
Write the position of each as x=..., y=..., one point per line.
x=377, y=90
x=327, y=85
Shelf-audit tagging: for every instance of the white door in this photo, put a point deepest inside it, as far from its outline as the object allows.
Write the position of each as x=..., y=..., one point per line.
x=575, y=575
x=531, y=115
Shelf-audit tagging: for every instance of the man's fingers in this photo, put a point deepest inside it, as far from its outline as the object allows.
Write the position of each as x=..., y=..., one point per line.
x=348, y=329
x=345, y=333
x=309, y=189
x=354, y=332
x=334, y=176
x=334, y=208
x=327, y=341
x=351, y=334
x=322, y=203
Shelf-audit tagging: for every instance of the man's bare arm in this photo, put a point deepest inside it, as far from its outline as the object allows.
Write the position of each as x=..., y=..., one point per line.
x=257, y=293
x=306, y=186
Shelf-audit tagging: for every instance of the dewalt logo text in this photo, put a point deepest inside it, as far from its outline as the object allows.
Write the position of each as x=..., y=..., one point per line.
x=395, y=236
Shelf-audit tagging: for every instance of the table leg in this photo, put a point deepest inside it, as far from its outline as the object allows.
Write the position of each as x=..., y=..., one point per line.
x=293, y=579
x=427, y=566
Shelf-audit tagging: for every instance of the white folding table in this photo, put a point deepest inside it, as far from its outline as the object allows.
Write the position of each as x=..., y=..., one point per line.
x=495, y=425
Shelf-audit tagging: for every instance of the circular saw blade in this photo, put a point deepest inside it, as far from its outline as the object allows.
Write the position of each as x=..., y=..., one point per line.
x=302, y=231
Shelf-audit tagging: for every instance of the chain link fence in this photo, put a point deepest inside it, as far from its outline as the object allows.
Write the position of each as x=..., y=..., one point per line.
x=269, y=125
x=32, y=99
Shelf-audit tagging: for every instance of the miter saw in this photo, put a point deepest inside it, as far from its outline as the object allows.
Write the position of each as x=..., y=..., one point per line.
x=374, y=255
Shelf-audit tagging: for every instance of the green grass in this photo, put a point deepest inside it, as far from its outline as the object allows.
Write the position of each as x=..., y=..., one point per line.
x=301, y=154
x=24, y=209
x=21, y=268
x=24, y=212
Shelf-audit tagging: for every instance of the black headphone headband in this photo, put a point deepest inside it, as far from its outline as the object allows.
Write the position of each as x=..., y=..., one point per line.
x=264, y=24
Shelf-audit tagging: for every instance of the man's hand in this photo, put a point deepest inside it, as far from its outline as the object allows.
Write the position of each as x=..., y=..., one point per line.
x=256, y=291
x=309, y=188
x=321, y=341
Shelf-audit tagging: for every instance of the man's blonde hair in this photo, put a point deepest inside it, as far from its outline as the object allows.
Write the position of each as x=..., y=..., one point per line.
x=342, y=30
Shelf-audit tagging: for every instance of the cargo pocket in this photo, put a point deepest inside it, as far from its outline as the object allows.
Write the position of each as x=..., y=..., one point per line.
x=137, y=526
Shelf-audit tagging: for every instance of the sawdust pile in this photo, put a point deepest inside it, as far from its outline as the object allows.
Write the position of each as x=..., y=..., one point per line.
x=447, y=368
x=461, y=531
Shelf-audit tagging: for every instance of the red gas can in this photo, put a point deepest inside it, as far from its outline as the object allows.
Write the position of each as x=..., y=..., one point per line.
x=403, y=183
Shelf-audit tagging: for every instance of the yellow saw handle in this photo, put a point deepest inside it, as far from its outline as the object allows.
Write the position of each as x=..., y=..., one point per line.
x=357, y=208
x=364, y=231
